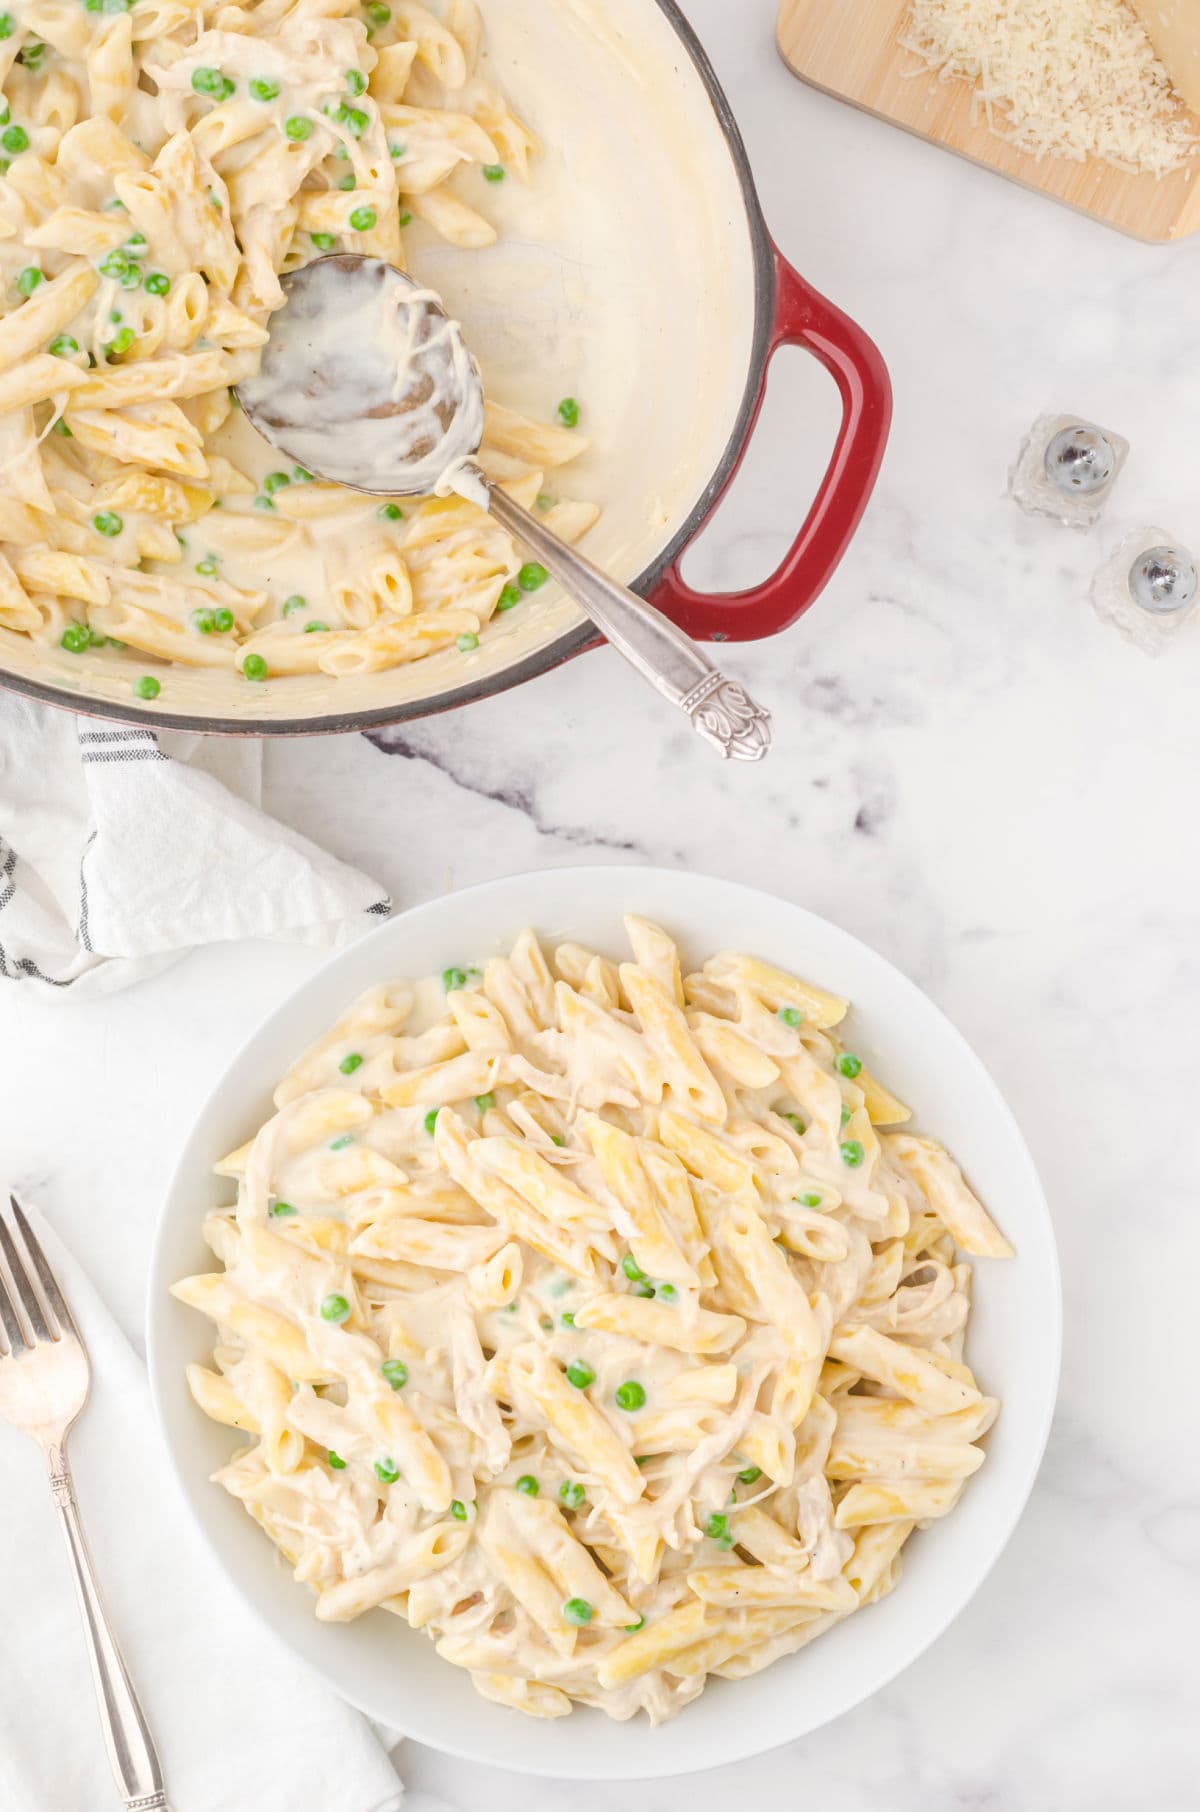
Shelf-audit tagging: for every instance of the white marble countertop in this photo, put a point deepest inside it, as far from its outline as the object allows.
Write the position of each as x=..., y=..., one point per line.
x=973, y=774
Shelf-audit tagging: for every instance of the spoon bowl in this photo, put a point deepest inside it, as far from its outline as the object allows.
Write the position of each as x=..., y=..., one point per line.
x=366, y=380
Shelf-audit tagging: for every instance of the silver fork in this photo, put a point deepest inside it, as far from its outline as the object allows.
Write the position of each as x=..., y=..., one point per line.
x=44, y=1378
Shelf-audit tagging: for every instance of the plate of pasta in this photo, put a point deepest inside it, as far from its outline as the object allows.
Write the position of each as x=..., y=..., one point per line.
x=164, y=164
x=557, y=1283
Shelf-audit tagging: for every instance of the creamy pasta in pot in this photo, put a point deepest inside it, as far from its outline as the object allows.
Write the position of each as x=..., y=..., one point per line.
x=162, y=164
x=599, y=1320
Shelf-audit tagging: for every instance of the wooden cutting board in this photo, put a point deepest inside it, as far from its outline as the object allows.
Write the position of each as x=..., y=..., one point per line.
x=850, y=49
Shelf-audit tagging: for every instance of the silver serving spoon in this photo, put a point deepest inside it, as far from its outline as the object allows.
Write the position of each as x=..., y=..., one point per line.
x=366, y=381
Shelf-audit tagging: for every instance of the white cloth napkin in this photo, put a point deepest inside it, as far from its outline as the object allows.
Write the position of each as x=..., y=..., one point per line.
x=120, y=849
x=239, y=1726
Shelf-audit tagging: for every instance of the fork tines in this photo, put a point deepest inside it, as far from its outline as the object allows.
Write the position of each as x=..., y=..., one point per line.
x=32, y=1307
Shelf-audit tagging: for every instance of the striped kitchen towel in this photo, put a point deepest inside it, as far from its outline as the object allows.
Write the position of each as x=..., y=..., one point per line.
x=123, y=848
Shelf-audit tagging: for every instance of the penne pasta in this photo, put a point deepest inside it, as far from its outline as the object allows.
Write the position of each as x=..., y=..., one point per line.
x=559, y=1316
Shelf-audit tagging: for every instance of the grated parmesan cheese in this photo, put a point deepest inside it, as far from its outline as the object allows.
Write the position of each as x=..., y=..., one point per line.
x=1069, y=78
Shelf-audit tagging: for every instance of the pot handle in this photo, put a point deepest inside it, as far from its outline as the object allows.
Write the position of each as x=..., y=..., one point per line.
x=803, y=317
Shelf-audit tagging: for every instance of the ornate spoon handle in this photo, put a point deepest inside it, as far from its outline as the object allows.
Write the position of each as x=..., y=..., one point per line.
x=721, y=711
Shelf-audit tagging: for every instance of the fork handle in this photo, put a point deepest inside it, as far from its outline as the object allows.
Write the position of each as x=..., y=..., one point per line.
x=127, y=1736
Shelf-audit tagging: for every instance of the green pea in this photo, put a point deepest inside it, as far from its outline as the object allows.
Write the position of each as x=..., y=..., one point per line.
x=348, y=182
x=387, y=1471
x=207, y=568
x=356, y=81
x=845, y=1113
x=298, y=128
x=275, y=481
x=527, y=1484
x=75, y=638
x=493, y=172
x=63, y=345
x=795, y=1122
x=580, y=1375
x=363, y=219
x=254, y=667
x=222, y=620
x=158, y=283
x=336, y=1461
x=15, y=139
x=643, y=1287
x=568, y=412
x=568, y=1320
x=485, y=1102
x=405, y=217
x=114, y=264
x=468, y=643
x=544, y=501
x=632, y=1269
x=396, y=1373
x=378, y=13
x=532, y=576
x=578, y=1610
x=147, y=686
x=453, y=978
x=430, y=1120
x=324, y=242
x=749, y=1475
x=810, y=1199
x=263, y=503
x=349, y=1064
x=212, y=83
x=716, y=1526
x=631, y=1629
x=791, y=1016
x=390, y=512
x=340, y=1143
x=555, y=1140
x=280, y=1209
x=852, y=1153
x=397, y=151
x=7, y=25
x=335, y=1308
x=263, y=89
x=458, y=1510
x=571, y=1494
x=28, y=279
x=96, y=640
x=60, y=427
x=293, y=604
x=136, y=246
x=630, y=1395
x=120, y=343
x=32, y=56
x=5, y=112
x=667, y=1292
x=108, y=523
x=509, y=597
x=204, y=621
x=849, y=1065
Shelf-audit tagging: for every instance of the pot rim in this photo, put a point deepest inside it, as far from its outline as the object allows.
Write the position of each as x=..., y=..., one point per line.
x=572, y=641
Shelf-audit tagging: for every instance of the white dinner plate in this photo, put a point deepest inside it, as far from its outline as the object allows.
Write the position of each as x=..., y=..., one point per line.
x=1013, y=1343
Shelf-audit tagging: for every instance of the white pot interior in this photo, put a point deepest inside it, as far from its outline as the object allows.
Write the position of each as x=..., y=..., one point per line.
x=624, y=276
